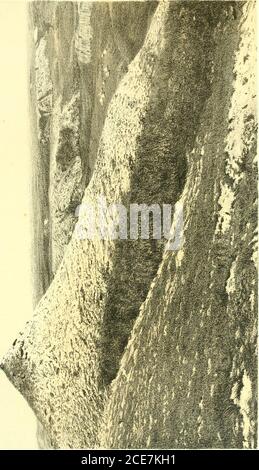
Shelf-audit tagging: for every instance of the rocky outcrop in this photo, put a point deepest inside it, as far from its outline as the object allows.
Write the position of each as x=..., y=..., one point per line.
x=77, y=60
x=196, y=331
x=158, y=108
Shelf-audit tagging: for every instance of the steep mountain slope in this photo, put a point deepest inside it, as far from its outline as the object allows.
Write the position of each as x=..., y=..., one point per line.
x=143, y=102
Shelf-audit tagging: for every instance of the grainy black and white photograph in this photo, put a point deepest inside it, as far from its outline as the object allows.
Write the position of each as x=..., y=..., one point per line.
x=128, y=246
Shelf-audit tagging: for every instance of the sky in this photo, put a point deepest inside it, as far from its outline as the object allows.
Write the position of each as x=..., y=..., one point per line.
x=17, y=422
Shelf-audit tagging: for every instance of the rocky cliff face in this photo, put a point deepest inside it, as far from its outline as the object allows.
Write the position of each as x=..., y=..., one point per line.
x=79, y=53
x=134, y=345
